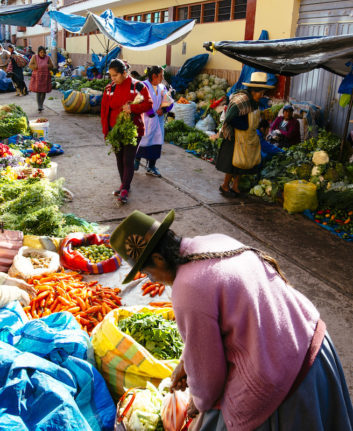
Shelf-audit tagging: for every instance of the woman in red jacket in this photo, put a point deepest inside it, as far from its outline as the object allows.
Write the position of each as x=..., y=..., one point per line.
x=117, y=98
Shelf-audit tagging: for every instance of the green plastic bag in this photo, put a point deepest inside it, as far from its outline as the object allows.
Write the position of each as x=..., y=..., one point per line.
x=300, y=195
x=344, y=100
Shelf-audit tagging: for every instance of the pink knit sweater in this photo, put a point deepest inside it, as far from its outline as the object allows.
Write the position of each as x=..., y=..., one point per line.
x=246, y=332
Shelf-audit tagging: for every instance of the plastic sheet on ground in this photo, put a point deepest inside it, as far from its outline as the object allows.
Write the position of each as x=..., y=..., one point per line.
x=311, y=216
x=47, y=379
x=131, y=293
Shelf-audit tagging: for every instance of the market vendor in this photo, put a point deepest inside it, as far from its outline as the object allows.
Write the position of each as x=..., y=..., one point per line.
x=15, y=72
x=285, y=130
x=150, y=146
x=120, y=96
x=240, y=150
x=257, y=355
x=4, y=58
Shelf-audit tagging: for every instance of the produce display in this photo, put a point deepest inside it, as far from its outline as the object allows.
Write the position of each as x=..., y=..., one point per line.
x=314, y=160
x=89, y=302
x=192, y=139
x=38, y=261
x=90, y=253
x=67, y=83
x=32, y=206
x=95, y=253
x=13, y=121
x=140, y=275
x=152, y=288
x=158, y=335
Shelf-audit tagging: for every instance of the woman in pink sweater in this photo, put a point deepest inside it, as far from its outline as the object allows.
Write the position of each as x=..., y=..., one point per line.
x=257, y=355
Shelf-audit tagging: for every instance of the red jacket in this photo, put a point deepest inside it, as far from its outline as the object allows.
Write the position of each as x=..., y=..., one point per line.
x=117, y=95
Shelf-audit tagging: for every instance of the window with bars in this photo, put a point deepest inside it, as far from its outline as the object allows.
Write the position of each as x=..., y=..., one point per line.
x=150, y=17
x=213, y=11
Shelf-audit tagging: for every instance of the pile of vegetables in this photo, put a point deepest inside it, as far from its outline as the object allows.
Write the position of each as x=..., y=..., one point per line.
x=32, y=206
x=314, y=160
x=13, y=121
x=158, y=335
x=123, y=133
x=192, y=139
x=89, y=302
x=95, y=253
x=67, y=83
x=205, y=88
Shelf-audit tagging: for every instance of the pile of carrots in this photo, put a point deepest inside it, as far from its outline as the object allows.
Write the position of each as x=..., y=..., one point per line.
x=152, y=288
x=139, y=275
x=89, y=302
x=183, y=101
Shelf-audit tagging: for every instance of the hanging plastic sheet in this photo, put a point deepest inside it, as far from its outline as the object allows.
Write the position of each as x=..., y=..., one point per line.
x=246, y=72
x=130, y=34
x=26, y=15
x=291, y=56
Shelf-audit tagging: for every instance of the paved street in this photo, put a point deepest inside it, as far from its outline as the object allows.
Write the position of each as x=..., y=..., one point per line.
x=316, y=263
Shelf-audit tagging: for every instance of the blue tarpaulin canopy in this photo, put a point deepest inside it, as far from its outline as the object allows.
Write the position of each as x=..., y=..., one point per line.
x=26, y=15
x=130, y=34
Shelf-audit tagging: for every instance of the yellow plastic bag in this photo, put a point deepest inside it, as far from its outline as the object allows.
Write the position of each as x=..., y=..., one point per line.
x=123, y=362
x=300, y=195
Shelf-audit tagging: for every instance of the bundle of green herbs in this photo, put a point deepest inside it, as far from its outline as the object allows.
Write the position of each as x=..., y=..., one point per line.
x=158, y=335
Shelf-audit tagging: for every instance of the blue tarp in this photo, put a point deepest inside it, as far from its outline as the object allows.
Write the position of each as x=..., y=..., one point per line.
x=188, y=71
x=5, y=83
x=130, y=34
x=248, y=70
x=47, y=382
x=25, y=15
x=102, y=63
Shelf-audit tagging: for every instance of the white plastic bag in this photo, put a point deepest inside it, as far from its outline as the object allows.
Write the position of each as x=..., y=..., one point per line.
x=12, y=293
x=185, y=112
x=173, y=411
x=30, y=262
x=207, y=124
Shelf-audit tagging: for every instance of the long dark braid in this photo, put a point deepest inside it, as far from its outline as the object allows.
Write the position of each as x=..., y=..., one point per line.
x=169, y=248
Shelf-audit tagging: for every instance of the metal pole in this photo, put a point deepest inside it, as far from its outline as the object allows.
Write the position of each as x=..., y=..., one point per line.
x=344, y=137
x=54, y=35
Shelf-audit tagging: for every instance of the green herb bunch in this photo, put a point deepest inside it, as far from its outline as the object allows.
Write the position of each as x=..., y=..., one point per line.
x=158, y=335
x=123, y=133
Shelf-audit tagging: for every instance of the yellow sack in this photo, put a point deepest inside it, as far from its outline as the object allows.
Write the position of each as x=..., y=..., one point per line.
x=300, y=195
x=42, y=242
x=123, y=362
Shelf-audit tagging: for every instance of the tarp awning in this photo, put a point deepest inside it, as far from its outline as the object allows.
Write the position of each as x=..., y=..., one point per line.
x=26, y=15
x=291, y=56
x=130, y=34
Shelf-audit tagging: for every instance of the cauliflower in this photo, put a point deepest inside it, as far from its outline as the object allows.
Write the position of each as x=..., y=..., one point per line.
x=265, y=182
x=320, y=158
x=268, y=190
x=191, y=96
x=257, y=191
x=317, y=170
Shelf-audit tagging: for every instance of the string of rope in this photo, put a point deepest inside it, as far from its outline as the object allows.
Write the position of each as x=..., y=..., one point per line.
x=230, y=253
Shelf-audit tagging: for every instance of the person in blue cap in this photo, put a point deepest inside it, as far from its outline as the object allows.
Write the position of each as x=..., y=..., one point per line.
x=285, y=130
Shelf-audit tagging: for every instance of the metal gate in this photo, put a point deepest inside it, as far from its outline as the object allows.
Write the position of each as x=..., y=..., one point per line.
x=323, y=18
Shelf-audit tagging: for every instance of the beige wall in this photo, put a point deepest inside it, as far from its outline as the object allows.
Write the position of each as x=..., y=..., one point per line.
x=278, y=17
x=77, y=44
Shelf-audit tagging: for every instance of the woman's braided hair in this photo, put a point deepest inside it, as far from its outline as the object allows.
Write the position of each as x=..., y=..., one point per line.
x=169, y=248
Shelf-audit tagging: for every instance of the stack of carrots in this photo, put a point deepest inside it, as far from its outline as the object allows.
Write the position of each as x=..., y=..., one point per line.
x=139, y=275
x=152, y=288
x=183, y=101
x=89, y=302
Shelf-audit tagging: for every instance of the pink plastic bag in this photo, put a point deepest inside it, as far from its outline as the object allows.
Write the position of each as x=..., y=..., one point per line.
x=173, y=411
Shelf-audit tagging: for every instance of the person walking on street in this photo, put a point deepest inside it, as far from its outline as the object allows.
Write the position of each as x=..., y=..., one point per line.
x=118, y=97
x=240, y=150
x=40, y=83
x=257, y=356
x=4, y=58
x=151, y=143
x=15, y=71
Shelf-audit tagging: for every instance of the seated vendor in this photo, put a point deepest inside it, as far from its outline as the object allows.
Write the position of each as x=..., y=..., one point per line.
x=96, y=74
x=285, y=130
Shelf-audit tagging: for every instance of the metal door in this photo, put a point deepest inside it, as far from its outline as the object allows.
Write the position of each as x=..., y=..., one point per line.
x=323, y=18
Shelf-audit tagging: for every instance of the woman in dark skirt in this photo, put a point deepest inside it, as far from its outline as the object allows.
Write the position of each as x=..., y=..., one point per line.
x=15, y=72
x=240, y=151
